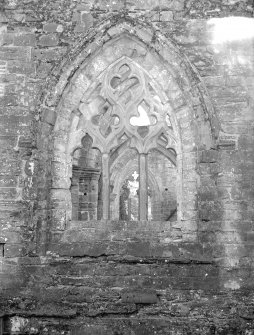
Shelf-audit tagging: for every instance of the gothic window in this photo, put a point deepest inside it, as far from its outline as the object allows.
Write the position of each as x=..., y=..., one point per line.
x=125, y=167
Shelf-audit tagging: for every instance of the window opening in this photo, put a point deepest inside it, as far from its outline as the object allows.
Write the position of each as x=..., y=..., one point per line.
x=129, y=200
x=164, y=201
x=125, y=111
x=2, y=249
x=5, y=325
x=85, y=183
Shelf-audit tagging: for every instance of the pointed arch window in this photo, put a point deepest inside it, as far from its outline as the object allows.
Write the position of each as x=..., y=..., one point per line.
x=125, y=167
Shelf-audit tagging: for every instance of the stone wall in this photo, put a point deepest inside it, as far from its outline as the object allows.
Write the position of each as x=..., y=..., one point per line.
x=123, y=278
x=164, y=204
x=193, y=276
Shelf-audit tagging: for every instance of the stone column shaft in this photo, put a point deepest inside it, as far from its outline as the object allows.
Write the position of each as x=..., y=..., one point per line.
x=143, y=185
x=105, y=186
x=129, y=209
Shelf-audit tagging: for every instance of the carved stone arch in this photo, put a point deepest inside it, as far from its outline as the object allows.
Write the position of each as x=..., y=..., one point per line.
x=190, y=111
x=121, y=167
x=124, y=163
x=107, y=31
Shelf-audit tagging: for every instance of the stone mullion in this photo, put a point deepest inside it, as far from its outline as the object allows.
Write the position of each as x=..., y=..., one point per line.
x=105, y=186
x=75, y=196
x=129, y=209
x=143, y=183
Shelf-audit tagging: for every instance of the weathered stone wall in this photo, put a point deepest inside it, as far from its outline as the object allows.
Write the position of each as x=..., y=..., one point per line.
x=193, y=276
x=165, y=203
x=118, y=277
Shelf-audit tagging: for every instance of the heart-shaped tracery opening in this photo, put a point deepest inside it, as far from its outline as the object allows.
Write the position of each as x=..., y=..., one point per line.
x=144, y=118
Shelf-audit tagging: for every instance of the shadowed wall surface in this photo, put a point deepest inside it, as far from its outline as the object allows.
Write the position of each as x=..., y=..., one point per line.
x=74, y=74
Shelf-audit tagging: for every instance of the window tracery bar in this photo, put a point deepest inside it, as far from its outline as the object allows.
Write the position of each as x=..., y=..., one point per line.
x=143, y=185
x=105, y=186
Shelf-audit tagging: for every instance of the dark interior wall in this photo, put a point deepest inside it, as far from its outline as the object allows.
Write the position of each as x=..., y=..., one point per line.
x=127, y=279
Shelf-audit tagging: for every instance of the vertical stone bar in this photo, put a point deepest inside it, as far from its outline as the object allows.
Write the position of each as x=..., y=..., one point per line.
x=143, y=185
x=105, y=185
x=129, y=209
x=75, y=194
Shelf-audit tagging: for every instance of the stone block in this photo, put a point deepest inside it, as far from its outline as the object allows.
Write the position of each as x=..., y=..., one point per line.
x=3, y=18
x=8, y=181
x=228, y=141
x=139, y=297
x=112, y=308
x=208, y=156
x=76, y=17
x=249, y=236
x=175, y=5
x=9, y=100
x=25, y=40
x=50, y=40
x=52, y=54
x=9, y=193
x=144, y=4
x=210, y=210
x=207, y=193
x=14, y=250
x=229, y=237
x=87, y=19
x=53, y=28
x=83, y=215
x=83, y=82
x=21, y=17
x=49, y=116
x=43, y=70
x=214, y=81
x=15, y=53
x=84, y=6
x=182, y=310
x=6, y=39
x=20, y=67
x=166, y=16
x=207, y=237
x=14, y=123
x=144, y=36
x=58, y=218
x=80, y=28
x=53, y=310
x=80, y=249
x=137, y=249
x=10, y=164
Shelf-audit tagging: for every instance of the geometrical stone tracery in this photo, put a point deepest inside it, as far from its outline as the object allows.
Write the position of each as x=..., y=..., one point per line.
x=124, y=106
x=124, y=101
